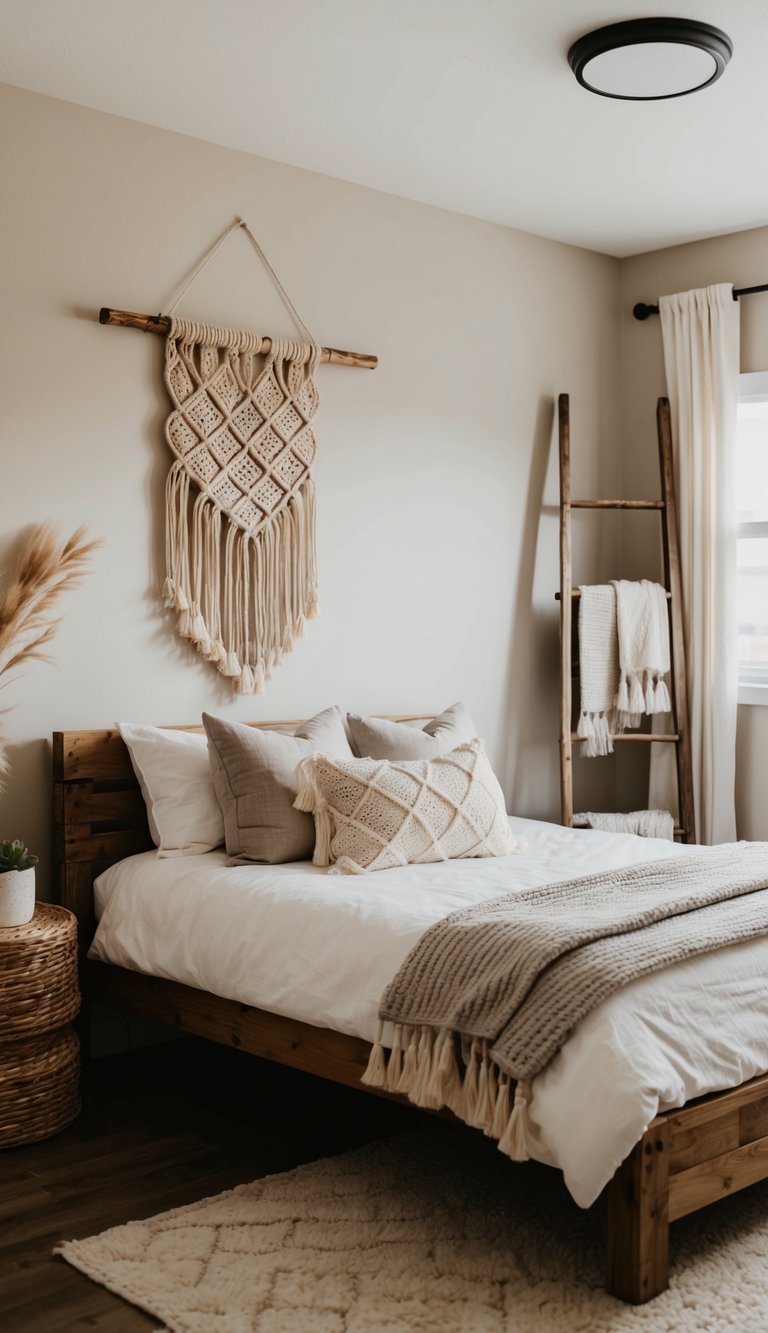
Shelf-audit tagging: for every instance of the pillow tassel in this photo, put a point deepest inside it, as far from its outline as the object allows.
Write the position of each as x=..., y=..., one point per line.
x=306, y=787
x=309, y=801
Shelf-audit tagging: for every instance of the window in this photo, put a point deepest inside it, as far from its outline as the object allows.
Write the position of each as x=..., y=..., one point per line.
x=752, y=502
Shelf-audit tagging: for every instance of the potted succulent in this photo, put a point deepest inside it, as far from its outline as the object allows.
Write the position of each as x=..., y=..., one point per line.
x=17, y=884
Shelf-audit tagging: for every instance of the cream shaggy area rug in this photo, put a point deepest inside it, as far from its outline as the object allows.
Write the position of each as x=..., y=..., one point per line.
x=431, y=1232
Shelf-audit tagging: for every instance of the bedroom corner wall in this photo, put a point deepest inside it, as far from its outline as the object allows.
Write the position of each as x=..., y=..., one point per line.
x=436, y=476
x=740, y=258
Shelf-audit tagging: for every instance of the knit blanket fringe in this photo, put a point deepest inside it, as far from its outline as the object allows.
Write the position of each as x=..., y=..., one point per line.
x=490, y=993
x=434, y=1068
x=597, y=731
x=640, y=692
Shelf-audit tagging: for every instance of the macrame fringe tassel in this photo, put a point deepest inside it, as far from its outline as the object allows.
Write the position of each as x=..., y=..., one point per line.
x=241, y=599
x=422, y=1064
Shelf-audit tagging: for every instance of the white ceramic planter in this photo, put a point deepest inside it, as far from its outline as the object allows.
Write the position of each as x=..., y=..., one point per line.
x=17, y=897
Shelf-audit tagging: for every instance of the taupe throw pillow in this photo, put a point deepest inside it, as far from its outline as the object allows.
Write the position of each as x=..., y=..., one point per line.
x=373, y=814
x=376, y=738
x=253, y=779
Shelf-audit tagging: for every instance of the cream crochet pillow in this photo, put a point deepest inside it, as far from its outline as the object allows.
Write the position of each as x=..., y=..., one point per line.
x=372, y=814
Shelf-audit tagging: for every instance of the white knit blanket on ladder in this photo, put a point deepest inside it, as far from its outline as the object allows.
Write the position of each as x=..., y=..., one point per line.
x=624, y=659
x=643, y=823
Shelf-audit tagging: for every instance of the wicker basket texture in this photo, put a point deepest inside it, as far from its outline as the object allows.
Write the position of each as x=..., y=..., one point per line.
x=38, y=974
x=39, y=1050
x=39, y=1086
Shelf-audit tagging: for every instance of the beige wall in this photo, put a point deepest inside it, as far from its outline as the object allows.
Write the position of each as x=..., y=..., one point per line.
x=437, y=526
x=741, y=258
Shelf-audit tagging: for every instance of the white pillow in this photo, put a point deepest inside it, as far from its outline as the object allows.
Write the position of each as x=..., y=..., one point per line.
x=174, y=774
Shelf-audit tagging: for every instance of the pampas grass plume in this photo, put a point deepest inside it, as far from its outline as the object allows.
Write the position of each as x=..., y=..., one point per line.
x=45, y=568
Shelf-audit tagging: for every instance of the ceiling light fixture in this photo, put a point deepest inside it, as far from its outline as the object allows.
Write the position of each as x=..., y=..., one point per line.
x=645, y=60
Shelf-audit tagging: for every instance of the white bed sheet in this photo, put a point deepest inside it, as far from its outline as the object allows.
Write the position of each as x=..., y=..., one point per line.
x=321, y=948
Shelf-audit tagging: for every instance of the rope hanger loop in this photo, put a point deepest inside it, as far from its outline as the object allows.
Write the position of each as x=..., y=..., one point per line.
x=162, y=324
x=237, y=225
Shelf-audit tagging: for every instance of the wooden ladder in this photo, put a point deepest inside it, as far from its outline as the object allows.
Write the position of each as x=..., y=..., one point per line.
x=680, y=737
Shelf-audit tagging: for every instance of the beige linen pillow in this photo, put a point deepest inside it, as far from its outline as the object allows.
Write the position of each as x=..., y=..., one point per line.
x=376, y=738
x=253, y=779
x=372, y=814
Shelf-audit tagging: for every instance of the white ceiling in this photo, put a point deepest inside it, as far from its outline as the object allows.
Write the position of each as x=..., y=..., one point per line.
x=469, y=105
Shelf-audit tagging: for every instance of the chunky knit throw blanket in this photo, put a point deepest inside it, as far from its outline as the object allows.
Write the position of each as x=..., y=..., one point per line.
x=490, y=994
x=624, y=659
x=240, y=501
x=598, y=668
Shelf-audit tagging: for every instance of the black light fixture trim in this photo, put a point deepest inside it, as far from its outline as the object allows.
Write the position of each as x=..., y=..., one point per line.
x=637, y=32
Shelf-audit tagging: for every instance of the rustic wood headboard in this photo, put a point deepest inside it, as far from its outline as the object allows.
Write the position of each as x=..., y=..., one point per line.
x=99, y=812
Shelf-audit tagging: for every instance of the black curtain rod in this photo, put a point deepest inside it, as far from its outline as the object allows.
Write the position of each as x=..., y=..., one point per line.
x=642, y=311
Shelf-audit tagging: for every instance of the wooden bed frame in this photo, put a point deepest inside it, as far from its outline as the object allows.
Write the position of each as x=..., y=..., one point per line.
x=687, y=1158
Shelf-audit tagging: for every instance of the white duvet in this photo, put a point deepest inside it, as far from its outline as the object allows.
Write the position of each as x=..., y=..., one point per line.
x=321, y=948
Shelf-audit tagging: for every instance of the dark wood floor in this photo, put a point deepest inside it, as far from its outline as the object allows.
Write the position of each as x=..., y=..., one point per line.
x=160, y=1127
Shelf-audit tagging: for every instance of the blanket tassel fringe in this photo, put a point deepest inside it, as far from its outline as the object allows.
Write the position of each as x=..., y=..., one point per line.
x=639, y=693
x=423, y=1064
x=596, y=730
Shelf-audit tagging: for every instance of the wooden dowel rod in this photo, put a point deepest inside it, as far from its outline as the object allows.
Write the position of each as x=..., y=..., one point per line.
x=126, y=319
x=576, y=592
x=650, y=736
x=617, y=504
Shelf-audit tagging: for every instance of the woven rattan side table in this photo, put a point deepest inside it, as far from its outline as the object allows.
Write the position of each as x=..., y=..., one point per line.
x=39, y=1049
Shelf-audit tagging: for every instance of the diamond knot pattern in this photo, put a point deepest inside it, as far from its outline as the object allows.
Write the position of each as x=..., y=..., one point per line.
x=241, y=434
x=378, y=814
x=249, y=446
x=422, y=1231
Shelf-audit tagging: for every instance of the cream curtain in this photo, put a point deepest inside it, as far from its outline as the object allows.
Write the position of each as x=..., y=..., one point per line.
x=700, y=330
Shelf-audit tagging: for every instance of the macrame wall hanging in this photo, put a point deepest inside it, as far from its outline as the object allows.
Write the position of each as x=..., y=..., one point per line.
x=240, y=500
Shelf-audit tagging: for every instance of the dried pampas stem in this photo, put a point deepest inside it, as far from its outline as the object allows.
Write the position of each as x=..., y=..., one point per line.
x=44, y=570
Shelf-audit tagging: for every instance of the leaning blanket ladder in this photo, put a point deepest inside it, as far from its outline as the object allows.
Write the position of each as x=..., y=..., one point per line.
x=666, y=507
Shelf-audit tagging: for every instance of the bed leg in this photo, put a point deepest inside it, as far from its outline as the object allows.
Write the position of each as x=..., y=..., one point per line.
x=638, y=1221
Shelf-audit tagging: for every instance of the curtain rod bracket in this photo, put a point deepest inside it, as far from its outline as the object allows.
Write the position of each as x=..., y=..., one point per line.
x=642, y=311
